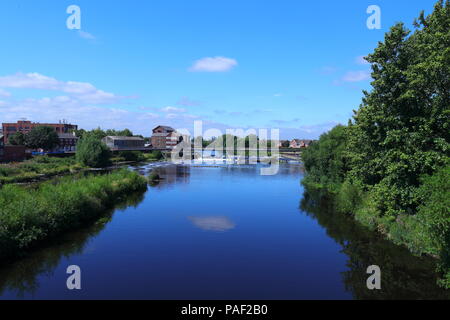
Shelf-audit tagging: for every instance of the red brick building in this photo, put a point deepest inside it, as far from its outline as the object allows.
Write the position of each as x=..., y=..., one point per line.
x=165, y=137
x=10, y=129
x=298, y=144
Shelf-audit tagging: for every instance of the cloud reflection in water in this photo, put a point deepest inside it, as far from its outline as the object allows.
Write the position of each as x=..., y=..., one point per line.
x=213, y=223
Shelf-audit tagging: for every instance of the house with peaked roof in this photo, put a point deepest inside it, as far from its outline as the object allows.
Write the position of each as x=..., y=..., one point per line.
x=298, y=143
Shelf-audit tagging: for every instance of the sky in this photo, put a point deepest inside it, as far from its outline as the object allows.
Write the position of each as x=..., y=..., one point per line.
x=291, y=65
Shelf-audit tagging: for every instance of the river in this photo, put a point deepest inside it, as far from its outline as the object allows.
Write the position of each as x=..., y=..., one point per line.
x=221, y=232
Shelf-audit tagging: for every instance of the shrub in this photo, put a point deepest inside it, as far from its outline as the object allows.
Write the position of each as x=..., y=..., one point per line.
x=154, y=155
x=132, y=155
x=93, y=153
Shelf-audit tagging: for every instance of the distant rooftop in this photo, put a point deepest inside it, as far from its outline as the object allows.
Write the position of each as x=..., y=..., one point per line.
x=165, y=128
x=124, y=138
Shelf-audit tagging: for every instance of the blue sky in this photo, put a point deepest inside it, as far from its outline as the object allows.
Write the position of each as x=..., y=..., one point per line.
x=292, y=65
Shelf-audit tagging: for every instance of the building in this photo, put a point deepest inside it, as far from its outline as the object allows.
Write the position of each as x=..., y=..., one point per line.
x=11, y=153
x=298, y=143
x=67, y=142
x=10, y=129
x=165, y=137
x=116, y=143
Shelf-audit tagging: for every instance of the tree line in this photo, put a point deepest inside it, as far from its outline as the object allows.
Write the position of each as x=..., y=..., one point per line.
x=390, y=167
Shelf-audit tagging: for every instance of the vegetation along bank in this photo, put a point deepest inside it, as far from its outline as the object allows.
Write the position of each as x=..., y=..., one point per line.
x=390, y=166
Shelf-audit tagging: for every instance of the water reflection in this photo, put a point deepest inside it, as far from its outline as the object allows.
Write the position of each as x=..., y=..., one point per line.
x=404, y=276
x=22, y=276
x=216, y=224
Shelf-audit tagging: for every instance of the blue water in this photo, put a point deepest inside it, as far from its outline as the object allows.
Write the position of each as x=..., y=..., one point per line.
x=211, y=232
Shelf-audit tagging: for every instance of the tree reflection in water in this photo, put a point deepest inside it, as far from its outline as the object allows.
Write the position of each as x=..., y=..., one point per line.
x=22, y=275
x=403, y=275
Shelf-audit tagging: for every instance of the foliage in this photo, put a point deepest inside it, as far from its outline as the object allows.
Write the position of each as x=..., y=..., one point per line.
x=326, y=161
x=17, y=139
x=42, y=138
x=93, y=153
x=28, y=216
x=35, y=168
x=132, y=155
x=154, y=155
x=399, y=135
x=99, y=134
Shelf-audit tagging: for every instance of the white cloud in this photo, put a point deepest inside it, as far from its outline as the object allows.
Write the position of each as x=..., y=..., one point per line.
x=181, y=116
x=86, y=35
x=216, y=64
x=4, y=93
x=83, y=91
x=357, y=76
x=173, y=110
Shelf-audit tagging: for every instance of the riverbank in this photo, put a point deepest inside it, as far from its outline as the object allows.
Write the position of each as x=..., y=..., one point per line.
x=43, y=168
x=29, y=216
x=38, y=168
x=418, y=233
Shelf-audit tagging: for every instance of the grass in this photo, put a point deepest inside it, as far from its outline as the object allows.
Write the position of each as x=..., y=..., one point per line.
x=29, y=216
x=42, y=166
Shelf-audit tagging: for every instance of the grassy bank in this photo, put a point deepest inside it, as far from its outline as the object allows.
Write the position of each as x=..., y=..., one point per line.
x=29, y=216
x=36, y=168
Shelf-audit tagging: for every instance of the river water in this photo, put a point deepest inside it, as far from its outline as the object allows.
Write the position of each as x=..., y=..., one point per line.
x=221, y=232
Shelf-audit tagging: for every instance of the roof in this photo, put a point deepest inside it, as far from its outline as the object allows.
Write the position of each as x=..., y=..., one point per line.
x=165, y=128
x=302, y=140
x=125, y=138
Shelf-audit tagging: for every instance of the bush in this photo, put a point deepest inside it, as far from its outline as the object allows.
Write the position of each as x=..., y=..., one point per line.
x=349, y=197
x=326, y=160
x=132, y=155
x=154, y=155
x=93, y=153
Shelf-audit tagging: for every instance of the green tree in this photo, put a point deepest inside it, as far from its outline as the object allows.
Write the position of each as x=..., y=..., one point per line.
x=402, y=129
x=17, y=139
x=92, y=152
x=399, y=135
x=42, y=138
x=326, y=161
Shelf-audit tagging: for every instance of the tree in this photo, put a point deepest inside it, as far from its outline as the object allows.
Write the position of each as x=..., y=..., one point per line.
x=326, y=161
x=125, y=133
x=399, y=135
x=42, y=138
x=92, y=152
x=98, y=133
x=17, y=139
x=402, y=129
